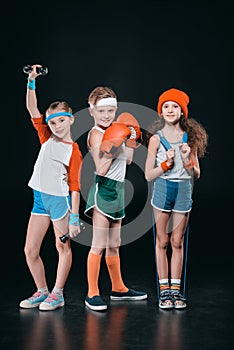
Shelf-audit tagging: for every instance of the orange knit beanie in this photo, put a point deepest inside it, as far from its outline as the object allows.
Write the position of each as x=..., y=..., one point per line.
x=175, y=95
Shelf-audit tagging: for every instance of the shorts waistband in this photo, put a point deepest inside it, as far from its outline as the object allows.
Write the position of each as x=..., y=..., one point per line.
x=107, y=181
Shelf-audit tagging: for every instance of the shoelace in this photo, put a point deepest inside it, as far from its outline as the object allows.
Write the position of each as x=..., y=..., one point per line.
x=51, y=298
x=34, y=296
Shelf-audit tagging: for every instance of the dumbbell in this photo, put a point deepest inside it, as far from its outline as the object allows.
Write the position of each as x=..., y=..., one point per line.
x=65, y=237
x=40, y=70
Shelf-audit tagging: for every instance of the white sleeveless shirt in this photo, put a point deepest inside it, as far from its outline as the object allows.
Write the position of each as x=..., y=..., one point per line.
x=117, y=170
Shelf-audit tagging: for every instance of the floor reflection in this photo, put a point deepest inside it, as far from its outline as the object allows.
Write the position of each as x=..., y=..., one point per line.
x=168, y=331
x=105, y=329
x=75, y=328
x=44, y=330
x=125, y=325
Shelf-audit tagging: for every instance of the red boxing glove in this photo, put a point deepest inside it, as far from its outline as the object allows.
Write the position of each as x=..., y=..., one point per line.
x=113, y=137
x=130, y=121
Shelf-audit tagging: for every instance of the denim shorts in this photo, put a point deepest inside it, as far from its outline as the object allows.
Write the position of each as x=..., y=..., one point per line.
x=172, y=195
x=56, y=207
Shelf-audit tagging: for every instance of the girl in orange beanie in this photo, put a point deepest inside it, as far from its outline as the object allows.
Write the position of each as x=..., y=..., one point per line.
x=175, y=145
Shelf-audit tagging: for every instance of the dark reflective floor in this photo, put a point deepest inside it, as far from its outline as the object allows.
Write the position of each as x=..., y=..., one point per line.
x=125, y=326
x=207, y=323
x=198, y=59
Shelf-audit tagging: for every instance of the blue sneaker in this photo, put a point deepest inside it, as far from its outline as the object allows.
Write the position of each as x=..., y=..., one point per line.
x=95, y=303
x=131, y=294
x=52, y=302
x=35, y=300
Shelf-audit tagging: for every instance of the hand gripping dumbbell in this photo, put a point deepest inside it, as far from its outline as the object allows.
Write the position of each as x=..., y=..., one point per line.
x=40, y=70
x=65, y=237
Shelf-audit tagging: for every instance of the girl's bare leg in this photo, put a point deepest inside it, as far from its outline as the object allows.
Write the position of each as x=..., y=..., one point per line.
x=37, y=228
x=162, y=240
x=180, y=221
x=64, y=252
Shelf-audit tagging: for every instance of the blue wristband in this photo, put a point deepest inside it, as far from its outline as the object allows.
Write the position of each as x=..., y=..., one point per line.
x=31, y=84
x=74, y=219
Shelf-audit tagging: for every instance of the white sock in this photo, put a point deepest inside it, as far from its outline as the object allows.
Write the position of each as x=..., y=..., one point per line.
x=43, y=290
x=58, y=291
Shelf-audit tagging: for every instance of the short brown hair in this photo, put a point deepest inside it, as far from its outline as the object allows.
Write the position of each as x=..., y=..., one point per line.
x=100, y=92
x=58, y=105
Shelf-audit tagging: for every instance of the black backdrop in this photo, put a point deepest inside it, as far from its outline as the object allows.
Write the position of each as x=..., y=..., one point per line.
x=139, y=49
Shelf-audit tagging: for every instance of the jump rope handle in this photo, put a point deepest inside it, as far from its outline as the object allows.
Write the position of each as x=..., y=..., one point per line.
x=65, y=237
x=40, y=70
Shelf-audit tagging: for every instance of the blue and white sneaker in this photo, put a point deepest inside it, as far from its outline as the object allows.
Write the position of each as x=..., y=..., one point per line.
x=52, y=302
x=95, y=303
x=131, y=294
x=35, y=300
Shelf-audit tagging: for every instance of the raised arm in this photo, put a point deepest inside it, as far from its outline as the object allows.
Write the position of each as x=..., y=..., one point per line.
x=31, y=98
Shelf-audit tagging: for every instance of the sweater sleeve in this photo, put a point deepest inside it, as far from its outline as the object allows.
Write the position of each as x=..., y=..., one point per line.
x=74, y=168
x=42, y=128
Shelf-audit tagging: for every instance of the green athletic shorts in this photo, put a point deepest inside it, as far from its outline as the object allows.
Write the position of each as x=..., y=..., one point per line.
x=107, y=196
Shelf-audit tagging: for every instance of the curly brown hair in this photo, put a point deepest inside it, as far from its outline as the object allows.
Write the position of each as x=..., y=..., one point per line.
x=197, y=135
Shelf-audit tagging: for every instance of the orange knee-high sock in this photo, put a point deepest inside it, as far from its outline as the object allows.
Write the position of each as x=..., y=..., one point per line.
x=113, y=265
x=93, y=268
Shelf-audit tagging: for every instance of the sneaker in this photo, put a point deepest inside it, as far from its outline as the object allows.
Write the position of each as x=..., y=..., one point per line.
x=131, y=294
x=35, y=300
x=52, y=302
x=95, y=303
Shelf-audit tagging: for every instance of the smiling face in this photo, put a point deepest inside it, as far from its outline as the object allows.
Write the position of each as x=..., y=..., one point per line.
x=171, y=112
x=61, y=126
x=103, y=115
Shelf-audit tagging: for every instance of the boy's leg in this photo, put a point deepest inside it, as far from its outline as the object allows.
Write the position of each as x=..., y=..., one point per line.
x=113, y=259
x=100, y=232
x=113, y=265
x=119, y=289
x=93, y=269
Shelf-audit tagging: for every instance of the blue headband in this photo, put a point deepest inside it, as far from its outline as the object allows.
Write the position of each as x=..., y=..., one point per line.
x=58, y=115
